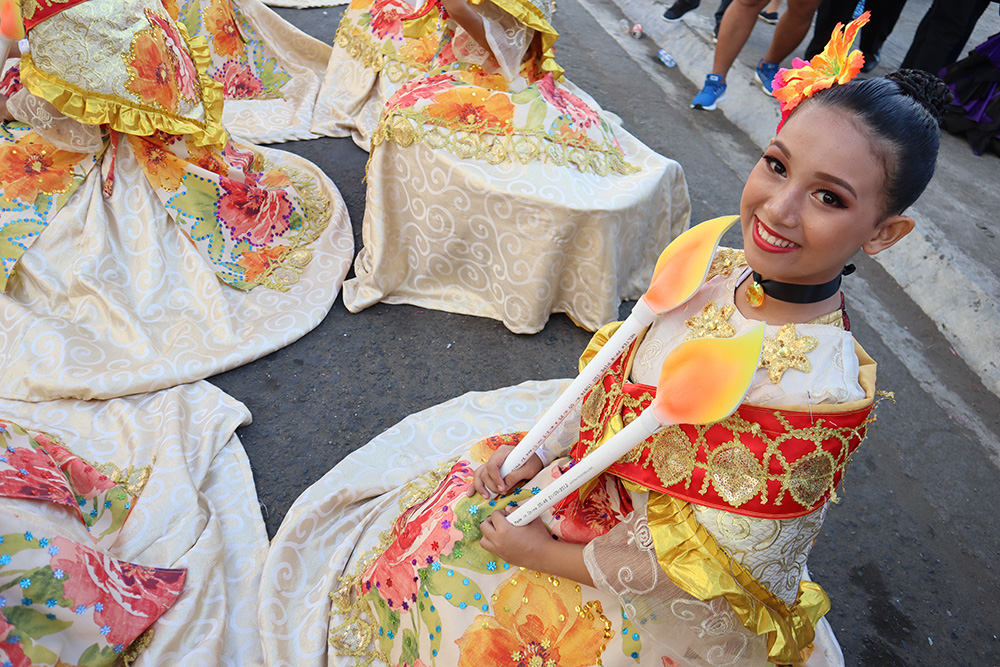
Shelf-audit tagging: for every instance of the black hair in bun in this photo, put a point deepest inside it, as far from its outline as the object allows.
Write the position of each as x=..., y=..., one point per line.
x=927, y=89
x=902, y=113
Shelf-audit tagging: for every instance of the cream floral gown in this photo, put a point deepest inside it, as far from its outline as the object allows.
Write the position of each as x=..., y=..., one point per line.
x=496, y=187
x=140, y=245
x=391, y=536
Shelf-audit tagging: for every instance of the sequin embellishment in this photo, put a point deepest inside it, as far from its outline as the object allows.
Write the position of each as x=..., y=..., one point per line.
x=786, y=350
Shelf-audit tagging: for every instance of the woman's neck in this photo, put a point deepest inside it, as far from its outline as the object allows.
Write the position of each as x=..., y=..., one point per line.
x=776, y=312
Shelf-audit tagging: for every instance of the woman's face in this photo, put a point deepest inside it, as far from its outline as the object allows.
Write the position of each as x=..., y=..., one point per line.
x=813, y=199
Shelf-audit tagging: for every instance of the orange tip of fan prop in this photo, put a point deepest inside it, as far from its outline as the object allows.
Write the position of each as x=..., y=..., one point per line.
x=705, y=379
x=683, y=265
x=11, y=26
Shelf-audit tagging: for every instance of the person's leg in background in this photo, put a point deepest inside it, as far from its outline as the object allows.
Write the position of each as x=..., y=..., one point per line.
x=943, y=33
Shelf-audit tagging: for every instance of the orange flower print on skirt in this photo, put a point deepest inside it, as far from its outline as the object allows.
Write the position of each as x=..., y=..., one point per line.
x=537, y=620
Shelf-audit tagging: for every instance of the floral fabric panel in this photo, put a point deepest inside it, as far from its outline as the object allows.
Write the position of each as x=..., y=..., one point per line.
x=36, y=181
x=376, y=34
x=241, y=61
x=62, y=601
x=252, y=221
x=144, y=63
x=474, y=112
x=433, y=595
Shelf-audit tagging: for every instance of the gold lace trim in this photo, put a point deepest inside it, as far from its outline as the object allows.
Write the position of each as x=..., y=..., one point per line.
x=359, y=45
x=405, y=127
x=725, y=260
x=133, y=479
x=834, y=319
x=356, y=635
x=287, y=268
x=138, y=645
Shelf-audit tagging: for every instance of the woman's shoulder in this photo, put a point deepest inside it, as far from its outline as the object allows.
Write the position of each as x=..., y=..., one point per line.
x=807, y=364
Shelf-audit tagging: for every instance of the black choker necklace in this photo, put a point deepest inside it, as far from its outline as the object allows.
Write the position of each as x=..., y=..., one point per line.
x=792, y=293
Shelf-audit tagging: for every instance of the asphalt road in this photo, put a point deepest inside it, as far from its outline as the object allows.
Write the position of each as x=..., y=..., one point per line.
x=909, y=556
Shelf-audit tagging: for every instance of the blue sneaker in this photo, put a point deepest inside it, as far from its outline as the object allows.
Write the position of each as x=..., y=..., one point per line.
x=713, y=92
x=765, y=74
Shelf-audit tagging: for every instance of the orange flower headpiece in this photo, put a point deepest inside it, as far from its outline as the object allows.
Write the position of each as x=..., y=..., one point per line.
x=833, y=65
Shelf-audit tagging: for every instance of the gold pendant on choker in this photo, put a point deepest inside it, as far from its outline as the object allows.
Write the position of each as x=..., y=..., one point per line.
x=755, y=294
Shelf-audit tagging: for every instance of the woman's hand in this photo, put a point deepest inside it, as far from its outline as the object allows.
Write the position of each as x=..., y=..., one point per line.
x=487, y=481
x=534, y=548
x=525, y=546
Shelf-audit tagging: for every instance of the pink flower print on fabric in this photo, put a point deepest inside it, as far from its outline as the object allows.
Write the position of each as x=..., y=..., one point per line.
x=238, y=81
x=568, y=103
x=125, y=598
x=418, y=89
x=422, y=535
x=85, y=480
x=187, y=75
x=387, y=18
x=252, y=213
x=11, y=647
x=27, y=472
x=580, y=522
x=235, y=158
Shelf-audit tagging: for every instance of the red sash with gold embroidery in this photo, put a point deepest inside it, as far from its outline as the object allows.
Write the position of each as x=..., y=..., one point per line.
x=761, y=461
x=36, y=11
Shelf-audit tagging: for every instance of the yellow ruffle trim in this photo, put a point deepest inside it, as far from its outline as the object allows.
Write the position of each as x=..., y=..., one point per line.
x=93, y=108
x=597, y=341
x=692, y=558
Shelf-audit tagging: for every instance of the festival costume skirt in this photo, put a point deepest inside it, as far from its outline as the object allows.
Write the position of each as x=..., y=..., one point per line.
x=511, y=241
x=196, y=511
x=270, y=70
x=478, y=610
x=127, y=292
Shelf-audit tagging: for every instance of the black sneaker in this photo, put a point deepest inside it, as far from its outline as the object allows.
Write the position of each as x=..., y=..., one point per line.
x=768, y=17
x=679, y=9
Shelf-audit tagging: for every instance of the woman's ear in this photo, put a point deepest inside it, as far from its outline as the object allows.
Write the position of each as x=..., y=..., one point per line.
x=888, y=232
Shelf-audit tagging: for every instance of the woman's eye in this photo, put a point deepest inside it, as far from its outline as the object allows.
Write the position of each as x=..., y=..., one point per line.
x=831, y=199
x=775, y=165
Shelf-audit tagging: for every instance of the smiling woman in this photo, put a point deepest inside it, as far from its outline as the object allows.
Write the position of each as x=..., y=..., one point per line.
x=816, y=198
x=691, y=549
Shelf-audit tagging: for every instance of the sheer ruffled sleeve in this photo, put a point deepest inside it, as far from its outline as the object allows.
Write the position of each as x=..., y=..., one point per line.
x=507, y=38
x=623, y=562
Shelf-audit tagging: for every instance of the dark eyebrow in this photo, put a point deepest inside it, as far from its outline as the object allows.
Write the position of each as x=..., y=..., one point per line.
x=826, y=177
x=842, y=183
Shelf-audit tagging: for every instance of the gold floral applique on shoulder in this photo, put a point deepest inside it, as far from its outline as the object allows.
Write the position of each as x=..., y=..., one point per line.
x=725, y=260
x=713, y=322
x=786, y=350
